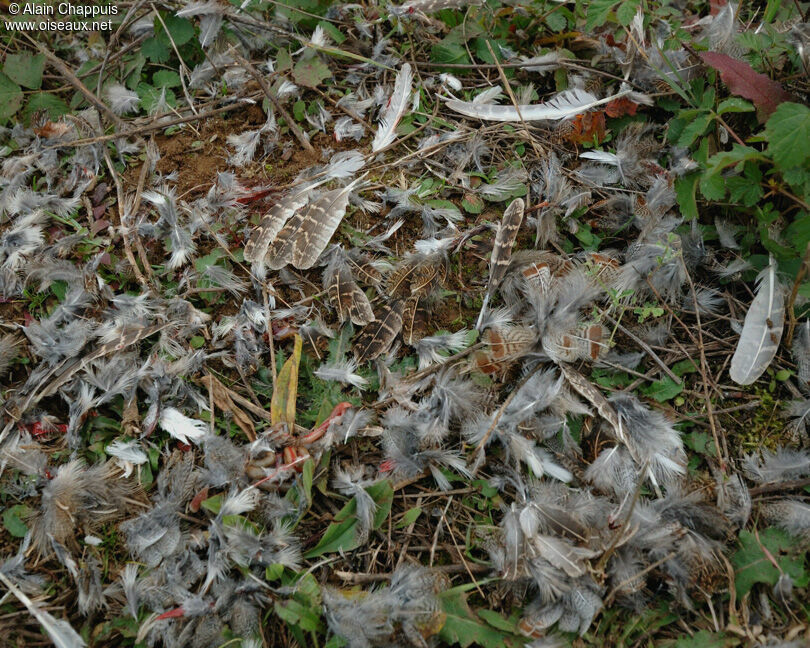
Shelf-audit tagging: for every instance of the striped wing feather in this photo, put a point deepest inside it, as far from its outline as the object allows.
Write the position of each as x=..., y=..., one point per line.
x=305, y=236
x=376, y=337
x=267, y=230
x=348, y=300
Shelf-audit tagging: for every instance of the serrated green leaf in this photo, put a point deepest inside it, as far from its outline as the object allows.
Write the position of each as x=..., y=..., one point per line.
x=694, y=129
x=167, y=78
x=155, y=50
x=685, y=188
x=598, y=11
x=51, y=104
x=788, y=133
x=11, y=97
x=311, y=73
x=181, y=30
x=713, y=186
x=25, y=69
x=627, y=11
x=752, y=565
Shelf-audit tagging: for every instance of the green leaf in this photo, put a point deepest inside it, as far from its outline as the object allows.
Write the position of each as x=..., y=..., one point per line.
x=472, y=203
x=298, y=614
x=464, y=628
x=685, y=191
x=627, y=11
x=798, y=232
x=445, y=52
x=786, y=129
x=753, y=566
x=662, y=390
x=213, y=504
x=155, y=50
x=208, y=260
x=333, y=32
x=11, y=97
x=341, y=535
x=25, y=69
x=598, y=11
x=167, y=78
x=410, y=516
x=694, y=129
x=51, y=104
x=283, y=61
x=13, y=520
x=311, y=73
x=705, y=639
x=734, y=105
x=282, y=404
x=181, y=30
x=713, y=186
x=306, y=479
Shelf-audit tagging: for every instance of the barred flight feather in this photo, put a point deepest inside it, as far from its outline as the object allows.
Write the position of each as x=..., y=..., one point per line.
x=348, y=300
x=377, y=337
x=305, y=236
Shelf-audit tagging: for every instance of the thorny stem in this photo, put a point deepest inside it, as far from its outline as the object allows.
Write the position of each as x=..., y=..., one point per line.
x=794, y=291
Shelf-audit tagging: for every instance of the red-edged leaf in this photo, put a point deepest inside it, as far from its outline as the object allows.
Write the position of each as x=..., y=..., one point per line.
x=744, y=81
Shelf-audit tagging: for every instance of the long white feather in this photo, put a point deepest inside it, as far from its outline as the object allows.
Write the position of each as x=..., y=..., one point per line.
x=762, y=330
x=60, y=631
x=564, y=105
x=394, y=109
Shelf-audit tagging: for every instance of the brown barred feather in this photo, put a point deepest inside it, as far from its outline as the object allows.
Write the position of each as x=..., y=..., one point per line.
x=348, y=300
x=414, y=320
x=377, y=337
x=268, y=228
x=305, y=236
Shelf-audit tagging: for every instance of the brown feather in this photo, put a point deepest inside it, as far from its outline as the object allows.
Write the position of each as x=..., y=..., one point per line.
x=504, y=242
x=589, y=392
x=414, y=320
x=305, y=236
x=348, y=300
x=268, y=228
x=377, y=337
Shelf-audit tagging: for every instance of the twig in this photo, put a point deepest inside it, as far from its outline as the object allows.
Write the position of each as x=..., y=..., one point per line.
x=646, y=347
x=704, y=375
x=299, y=135
x=92, y=99
x=151, y=127
x=359, y=579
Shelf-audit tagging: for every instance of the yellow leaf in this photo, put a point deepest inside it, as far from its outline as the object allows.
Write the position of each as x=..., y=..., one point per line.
x=282, y=405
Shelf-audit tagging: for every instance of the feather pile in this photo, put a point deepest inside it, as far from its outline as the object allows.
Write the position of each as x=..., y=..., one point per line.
x=177, y=382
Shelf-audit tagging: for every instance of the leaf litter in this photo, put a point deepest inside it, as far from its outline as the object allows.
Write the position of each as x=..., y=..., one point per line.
x=445, y=323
